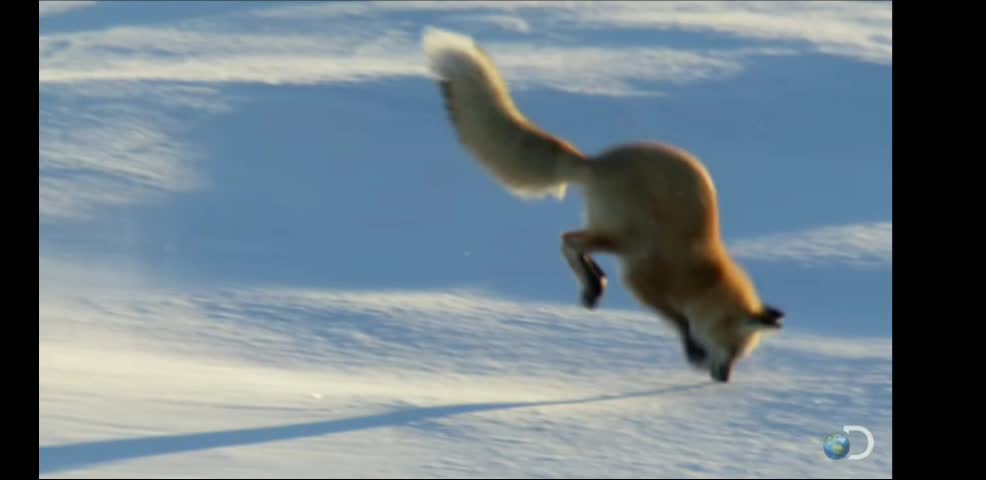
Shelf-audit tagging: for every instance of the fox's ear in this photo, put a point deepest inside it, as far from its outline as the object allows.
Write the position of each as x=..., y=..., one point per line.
x=771, y=317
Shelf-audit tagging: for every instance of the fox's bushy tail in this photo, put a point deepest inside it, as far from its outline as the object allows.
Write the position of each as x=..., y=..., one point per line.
x=527, y=161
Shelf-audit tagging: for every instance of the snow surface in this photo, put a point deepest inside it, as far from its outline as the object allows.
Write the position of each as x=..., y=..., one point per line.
x=262, y=254
x=292, y=382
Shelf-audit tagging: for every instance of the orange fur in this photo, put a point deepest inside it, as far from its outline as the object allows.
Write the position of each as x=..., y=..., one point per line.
x=654, y=206
x=658, y=204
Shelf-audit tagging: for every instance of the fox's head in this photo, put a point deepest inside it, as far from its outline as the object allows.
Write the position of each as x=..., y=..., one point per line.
x=723, y=338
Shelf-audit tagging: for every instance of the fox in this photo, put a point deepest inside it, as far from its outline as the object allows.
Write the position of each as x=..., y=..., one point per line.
x=651, y=205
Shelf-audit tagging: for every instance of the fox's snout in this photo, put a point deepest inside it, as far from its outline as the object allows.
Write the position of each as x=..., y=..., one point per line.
x=699, y=357
x=717, y=350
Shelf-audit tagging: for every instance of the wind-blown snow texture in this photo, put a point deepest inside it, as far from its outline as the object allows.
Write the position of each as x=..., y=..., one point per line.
x=264, y=255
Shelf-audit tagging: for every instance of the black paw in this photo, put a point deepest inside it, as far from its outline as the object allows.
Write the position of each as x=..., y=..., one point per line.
x=593, y=292
x=593, y=267
x=695, y=353
x=590, y=297
x=720, y=373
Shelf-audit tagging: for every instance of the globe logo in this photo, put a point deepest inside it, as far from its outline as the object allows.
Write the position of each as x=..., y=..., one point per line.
x=836, y=446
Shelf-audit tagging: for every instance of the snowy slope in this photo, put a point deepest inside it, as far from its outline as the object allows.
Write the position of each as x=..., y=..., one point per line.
x=263, y=253
x=277, y=382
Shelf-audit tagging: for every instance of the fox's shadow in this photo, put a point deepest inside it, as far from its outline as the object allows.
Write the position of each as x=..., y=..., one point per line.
x=62, y=457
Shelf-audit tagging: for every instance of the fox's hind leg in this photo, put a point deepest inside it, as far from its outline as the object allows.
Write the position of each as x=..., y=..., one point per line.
x=590, y=275
x=577, y=248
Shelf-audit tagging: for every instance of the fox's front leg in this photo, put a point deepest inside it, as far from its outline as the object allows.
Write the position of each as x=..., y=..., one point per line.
x=577, y=247
x=694, y=352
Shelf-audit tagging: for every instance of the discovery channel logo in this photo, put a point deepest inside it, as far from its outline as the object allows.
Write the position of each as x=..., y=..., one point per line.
x=836, y=445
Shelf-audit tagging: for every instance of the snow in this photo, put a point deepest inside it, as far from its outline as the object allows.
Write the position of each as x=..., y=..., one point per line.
x=263, y=254
x=290, y=382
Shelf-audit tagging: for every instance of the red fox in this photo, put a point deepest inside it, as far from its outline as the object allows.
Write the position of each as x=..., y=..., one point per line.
x=652, y=206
